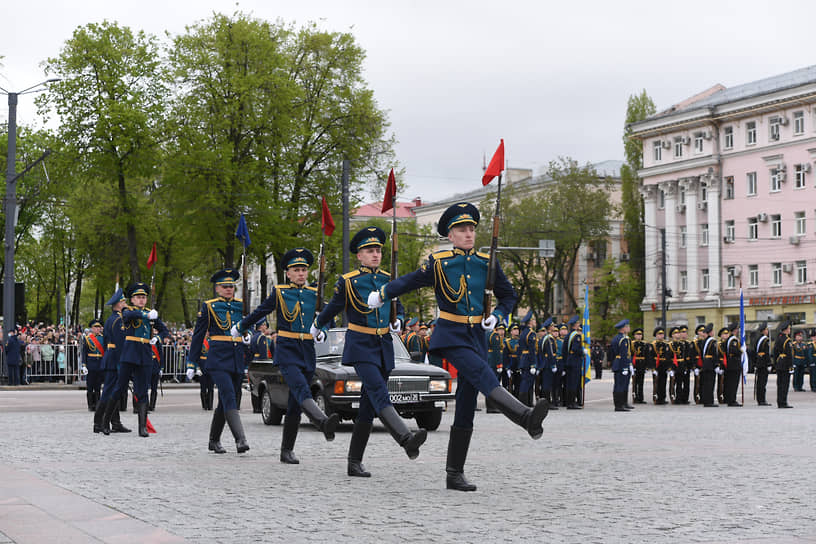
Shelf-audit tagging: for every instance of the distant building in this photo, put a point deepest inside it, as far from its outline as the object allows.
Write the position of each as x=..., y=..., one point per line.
x=405, y=210
x=727, y=179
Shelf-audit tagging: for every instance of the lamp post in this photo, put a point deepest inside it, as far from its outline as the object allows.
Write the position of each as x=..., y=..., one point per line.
x=10, y=204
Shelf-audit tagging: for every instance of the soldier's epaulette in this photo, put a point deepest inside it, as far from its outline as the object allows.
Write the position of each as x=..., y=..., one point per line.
x=282, y=286
x=384, y=273
x=211, y=300
x=351, y=274
x=310, y=288
x=238, y=300
x=483, y=255
x=442, y=254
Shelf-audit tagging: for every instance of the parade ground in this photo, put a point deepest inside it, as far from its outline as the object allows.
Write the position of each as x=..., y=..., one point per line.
x=658, y=474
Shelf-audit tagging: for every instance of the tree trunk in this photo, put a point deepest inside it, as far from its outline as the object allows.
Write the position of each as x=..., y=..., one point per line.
x=133, y=259
x=187, y=322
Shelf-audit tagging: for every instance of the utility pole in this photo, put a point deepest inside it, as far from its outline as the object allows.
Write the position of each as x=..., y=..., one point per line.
x=346, y=212
x=663, y=277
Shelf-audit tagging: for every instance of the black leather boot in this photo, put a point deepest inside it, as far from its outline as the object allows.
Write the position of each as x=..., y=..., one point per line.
x=115, y=422
x=203, y=395
x=616, y=397
x=110, y=408
x=99, y=416
x=458, y=445
x=135, y=403
x=141, y=409
x=123, y=402
x=152, y=407
x=410, y=441
x=216, y=427
x=529, y=418
x=210, y=397
x=325, y=424
x=237, y=428
x=357, y=446
x=290, y=432
x=89, y=398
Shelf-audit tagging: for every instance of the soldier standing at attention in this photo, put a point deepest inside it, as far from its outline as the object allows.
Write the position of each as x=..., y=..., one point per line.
x=92, y=352
x=696, y=363
x=458, y=277
x=295, y=305
x=106, y=417
x=495, y=351
x=684, y=368
x=620, y=351
x=413, y=341
x=811, y=359
x=708, y=370
x=733, y=370
x=225, y=358
x=762, y=368
x=528, y=361
x=548, y=348
x=663, y=362
x=639, y=362
x=369, y=348
x=783, y=351
x=560, y=387
x=511, y=360
x=677, y=355
x=572, y=352
x=799, y=360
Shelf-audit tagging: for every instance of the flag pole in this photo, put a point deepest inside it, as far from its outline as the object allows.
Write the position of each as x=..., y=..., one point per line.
x=394, y=252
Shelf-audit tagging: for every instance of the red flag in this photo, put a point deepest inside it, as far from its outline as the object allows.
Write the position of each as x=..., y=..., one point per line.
x=496, y=165
x=326, y=222
x=152, y=259
x=390, y=192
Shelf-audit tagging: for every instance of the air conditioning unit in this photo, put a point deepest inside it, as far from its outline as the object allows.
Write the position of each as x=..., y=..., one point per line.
x=680, y=208
x=794, y=240
x=762, y=217
x=806, y=167
x=685, y=140
x=666, y=144
x=728, y=240
x=624, y=257
x=706, y=135
x=781, y=176
x=787, y=268
x=702, y=206
x=783, y=121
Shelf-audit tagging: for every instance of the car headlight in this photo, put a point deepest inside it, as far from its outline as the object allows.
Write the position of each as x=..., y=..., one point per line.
x=439, y=386
x=347, y=386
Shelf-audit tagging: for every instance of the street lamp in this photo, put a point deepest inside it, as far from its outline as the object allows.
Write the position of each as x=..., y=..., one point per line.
x=10, y=202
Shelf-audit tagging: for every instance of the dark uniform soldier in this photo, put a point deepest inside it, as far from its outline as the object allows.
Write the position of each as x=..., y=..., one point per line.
x=205, y=383
x=548, y=352
x=511, y=360
x=677, y=357
x=106, y=417
x=225, y=358
x=733, y=370
x=495, y=352
x=572, y=352
x=799, y=360
x=708, y=370
x=621, y=363
x=458, y=277
x=560, y=385
x=528, y=359
x=157, y=371
x=92, y=352
x=783, y=352
x=697, y=347
x=661, y=363
x=684, y=368
x=413, y=341
x=639, y=351
x=722, y=362
x=295, y=305
x=369, y=348
x=762, y=364
x=811, y=358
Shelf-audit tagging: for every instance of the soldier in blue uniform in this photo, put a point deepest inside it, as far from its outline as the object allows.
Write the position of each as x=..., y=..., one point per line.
x=799, y=360
x=295, y=305
x=560, y=382
x=511, y=359
x=547, y=365
x=733, y=368
x=13, y=357
x=639, y=351
x=106, y=418
x=783, y=352
x=528, y=359
x=709, y=368
x=369, y=348
x=225, y=358
x=811, y=359
x=495, y=353
x=620, y=351
x=458, y=277
x=91, y=355
x=572, y=352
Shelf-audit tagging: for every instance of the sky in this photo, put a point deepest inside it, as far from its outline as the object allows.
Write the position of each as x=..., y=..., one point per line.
x=550, y=78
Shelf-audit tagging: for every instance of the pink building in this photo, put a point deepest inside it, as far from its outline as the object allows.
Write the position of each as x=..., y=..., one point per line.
x=727, y=177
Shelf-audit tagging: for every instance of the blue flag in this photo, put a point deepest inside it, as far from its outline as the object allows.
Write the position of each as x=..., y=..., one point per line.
x=587, y=340
x=242, y=233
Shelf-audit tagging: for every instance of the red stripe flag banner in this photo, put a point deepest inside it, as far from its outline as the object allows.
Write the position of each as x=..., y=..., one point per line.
x=496, y=165
x=390, y=193
x=326, y=222
x=151, y=260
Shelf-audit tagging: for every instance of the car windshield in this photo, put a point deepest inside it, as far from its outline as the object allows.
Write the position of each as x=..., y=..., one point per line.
x=336, y=337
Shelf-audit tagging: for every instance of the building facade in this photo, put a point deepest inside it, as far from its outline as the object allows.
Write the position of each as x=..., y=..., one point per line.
x=730, y=203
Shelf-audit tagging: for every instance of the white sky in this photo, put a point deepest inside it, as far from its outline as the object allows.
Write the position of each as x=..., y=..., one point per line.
x=550, y=77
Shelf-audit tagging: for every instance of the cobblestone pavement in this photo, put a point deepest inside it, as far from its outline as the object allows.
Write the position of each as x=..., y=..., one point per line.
x=658, y=474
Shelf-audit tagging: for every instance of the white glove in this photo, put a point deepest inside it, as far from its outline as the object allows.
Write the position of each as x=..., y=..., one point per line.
x=533, y=371
x=318, y=335
x=234, y=331
x=696, y=371
x=374, y=299
x=625, y=372
x=199, y=373
x=654, y=372
x=769, y=368
x=671, y=373
x=160, y=373
x=246, y=339
x=563, y=372
x=499, y=370
x=152, y=314
x=555, y=369
x=84, y=370
x=190, y=373
x=490, y=323
x=509, y=371
x=718, y=370
x=395, y=327
x=631, y=369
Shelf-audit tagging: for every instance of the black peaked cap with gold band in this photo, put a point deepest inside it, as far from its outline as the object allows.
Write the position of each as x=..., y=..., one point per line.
x=95, y=323
x=137, y=288
x=367, y=237
x=300, y=256
x=462, y=213
x=226, y=277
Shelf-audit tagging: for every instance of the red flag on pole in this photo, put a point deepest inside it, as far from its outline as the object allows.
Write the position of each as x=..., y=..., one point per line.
x=496, y=165
x=152, y=259
x=326, y=222
x=390, y=192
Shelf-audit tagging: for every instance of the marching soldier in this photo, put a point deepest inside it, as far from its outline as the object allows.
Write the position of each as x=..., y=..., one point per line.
x=662, y=363
x=620, y=350
x=639, y=352
x=762, y=365
x=799, y=360
x=92, y=353
x=368, y=347
x=572, y=352
x=106, y=418
x=511, y=360
x=783, y=351
x=458, y=277
x=548, y=368
x=709, y=367
x=295, y=305
x=733, y=368
x=225, y=358
x=697, y=349
x=528, y=367
x=495, y=352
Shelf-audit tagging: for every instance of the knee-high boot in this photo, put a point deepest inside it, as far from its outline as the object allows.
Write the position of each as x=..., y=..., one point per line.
x=325, y=424
x=357, y=446
x=529, y=418
x=203, y=395
x=290, y=432
x=141, y=409
x=99, y=416
x=410, y=441
x=115, y=421
x=237, y=428
x=458, y=445
x=110, y=408
x=152, y=406
x=135, y=402
x=216, y=427
x=89, y=398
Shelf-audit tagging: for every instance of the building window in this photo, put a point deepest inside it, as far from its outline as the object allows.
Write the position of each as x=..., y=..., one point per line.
x=776, y=180
x=776, y=276
x=704, y=234
x=678, y=148
x=661, y=199
x=776, y=226
x=799, y=220
x=801, y=272
x=798, y=122
x=751, y=180
x=729, y=188
x=657, y=146
x=750, y=132
x=703, y=193
x=753, y=228
x=683, y=281
x=773, y=129
x=730, y=277
x=800, y=170
x=704, y=277
x=683, y=236
x=729, y=231
x=729, y=137
x=698, y=143
x=753, y=275
x=682, y=193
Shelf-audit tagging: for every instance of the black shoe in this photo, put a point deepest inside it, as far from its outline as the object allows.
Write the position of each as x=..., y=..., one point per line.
x=765, y=404
x=357, y=469
x=734, y=404
x=458, y=482
x=325, y=424
x=357, y=446
x=99, y=416
x=710, y=405
x=410, y=441
x=785, y=406
x=216, y=447
x=518, y=413
x=216, y=427
x=141, y=408
x=288, y=457
x=234, y=421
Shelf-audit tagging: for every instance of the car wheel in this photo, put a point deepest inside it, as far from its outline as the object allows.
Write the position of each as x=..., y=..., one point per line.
x=270, y=413
x=429, y=420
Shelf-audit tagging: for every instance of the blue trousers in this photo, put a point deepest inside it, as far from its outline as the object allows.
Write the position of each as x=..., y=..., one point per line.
x=621, y=382
x=547, y=378
x=573, y=377
x=298, y=380
x=374, y=394
x=798, y=377
x=13, y=374
x=527, y=381
x=141, y=377
x=475, y=376
x=228, y=384
x=93, y=380
x=110, y=378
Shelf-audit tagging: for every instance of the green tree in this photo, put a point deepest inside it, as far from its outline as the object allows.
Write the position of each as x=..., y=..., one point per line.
x=610, y=299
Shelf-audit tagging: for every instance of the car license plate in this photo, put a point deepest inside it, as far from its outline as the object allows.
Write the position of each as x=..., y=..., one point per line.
x=403, y=398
